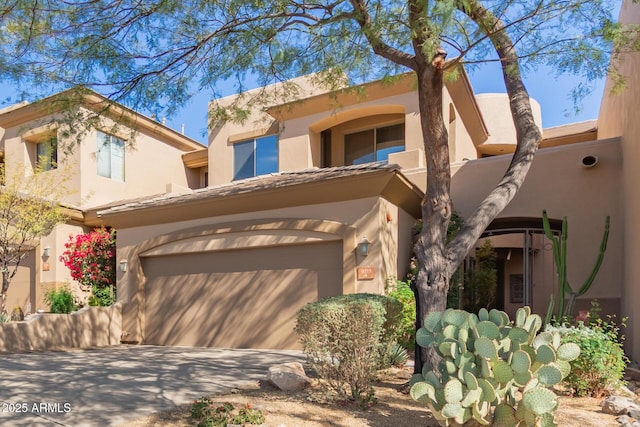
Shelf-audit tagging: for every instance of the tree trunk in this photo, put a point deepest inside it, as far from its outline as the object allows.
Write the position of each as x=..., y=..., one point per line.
x=437, y=261
x=432, y=282
x=5, y=289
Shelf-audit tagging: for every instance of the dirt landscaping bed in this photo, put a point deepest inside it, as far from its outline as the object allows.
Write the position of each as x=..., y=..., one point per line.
x=394, y=408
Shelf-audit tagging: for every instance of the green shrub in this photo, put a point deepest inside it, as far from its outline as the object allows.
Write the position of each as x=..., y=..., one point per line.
x=602, y=361
x=347, y=338
x=210, y=415
x=4, y=318
x=60, y=300
x=407, y=331
x=398, y=356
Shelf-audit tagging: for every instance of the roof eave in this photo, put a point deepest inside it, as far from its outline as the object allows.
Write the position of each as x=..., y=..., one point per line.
x=391, y=185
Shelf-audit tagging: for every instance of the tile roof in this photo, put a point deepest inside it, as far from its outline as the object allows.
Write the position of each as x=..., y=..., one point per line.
x=249, y=185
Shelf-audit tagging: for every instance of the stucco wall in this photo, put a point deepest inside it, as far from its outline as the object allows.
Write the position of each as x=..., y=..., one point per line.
x=149, y=164
x=619, y=117
x=299, y=137
x=497, y=116
x=559, y=183
x=87, y=328
x=386, y=226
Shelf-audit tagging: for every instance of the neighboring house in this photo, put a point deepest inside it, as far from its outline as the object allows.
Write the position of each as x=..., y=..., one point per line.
x=290, y=195
x=123, y=155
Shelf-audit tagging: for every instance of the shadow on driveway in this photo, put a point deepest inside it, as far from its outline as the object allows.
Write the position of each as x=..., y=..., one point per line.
x=115, y=385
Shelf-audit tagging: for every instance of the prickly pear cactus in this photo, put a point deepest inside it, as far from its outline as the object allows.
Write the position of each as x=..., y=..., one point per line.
x=493, y=371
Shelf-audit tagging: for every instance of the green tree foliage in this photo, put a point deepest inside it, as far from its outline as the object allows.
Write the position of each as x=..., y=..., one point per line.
x=407, y=332
x=157, y=53
x=481, y=282
x=29, y=210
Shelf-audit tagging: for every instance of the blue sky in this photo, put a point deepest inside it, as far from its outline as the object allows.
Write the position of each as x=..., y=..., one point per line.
x=552, y=93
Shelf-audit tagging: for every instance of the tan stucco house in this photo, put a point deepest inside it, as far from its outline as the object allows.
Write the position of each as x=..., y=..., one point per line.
x=220, y=245
x=123, y=155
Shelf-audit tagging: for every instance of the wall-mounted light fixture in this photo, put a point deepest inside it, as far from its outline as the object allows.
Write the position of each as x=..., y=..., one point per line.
x=363, y=246
x=46, y=252
x=123, y=265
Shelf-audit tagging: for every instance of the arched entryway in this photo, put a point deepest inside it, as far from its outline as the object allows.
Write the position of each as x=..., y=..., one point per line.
x=525, y=270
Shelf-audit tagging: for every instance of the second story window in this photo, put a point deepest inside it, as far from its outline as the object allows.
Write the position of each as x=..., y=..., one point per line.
x=255, y=157
x=373, y=145
x=110, y=157
x=47, y=154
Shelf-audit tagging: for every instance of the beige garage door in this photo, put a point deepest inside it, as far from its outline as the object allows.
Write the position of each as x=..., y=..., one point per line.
x=238, y=299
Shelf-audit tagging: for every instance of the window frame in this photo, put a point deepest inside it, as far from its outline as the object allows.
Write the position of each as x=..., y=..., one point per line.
x=270, y=163
x=113, y=151
x=47, y=160
x=374, y=142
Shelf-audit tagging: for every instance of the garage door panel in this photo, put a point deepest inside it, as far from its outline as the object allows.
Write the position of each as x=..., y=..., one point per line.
x=236, y=299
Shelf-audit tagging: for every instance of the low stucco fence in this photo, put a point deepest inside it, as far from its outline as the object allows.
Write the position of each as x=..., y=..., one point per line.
x=87, y=328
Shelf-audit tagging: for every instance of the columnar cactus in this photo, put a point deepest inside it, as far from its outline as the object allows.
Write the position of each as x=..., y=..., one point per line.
x=560, y=260
x=493, y=371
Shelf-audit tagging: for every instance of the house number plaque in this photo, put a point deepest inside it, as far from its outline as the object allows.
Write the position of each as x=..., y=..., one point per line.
x=366, y=273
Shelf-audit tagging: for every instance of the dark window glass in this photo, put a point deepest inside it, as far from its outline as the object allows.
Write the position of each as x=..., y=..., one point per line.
x=255, y=157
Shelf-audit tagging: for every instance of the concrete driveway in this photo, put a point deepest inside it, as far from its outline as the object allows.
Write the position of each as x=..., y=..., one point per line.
x=115, y=385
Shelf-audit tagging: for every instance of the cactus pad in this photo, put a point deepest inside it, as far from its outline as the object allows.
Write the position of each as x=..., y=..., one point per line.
x=533, y=324
x=445, y=348
x=463, y=335
x=432, y=379
x=488, y=390
x=486, y=348
x=423, y=392
x=522, y=378
x=416, y=378
x=424, y=338
x=523, y=414
x=453, y=391
x=520, y=361
x=549, y=375
x=546, y=420
x=479, y=412
x=502, y=372
x=568, y=352
x=487, y=329
x=491, y=366
x=470, y=380
x=518, y=335
x=496, y=317
x=450, y=331
x=540, y=400
x=472, y=320
x=545, y=354
x=454, y=317
x=521, y=316
x=504, y=416
x=452, y=410
x=543, y=338
x=471, y=398
x=564, y=366
x=432, y=321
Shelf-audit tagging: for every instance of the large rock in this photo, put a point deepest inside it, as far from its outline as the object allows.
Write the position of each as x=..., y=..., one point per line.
x=289, y=376
x=618, y=405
